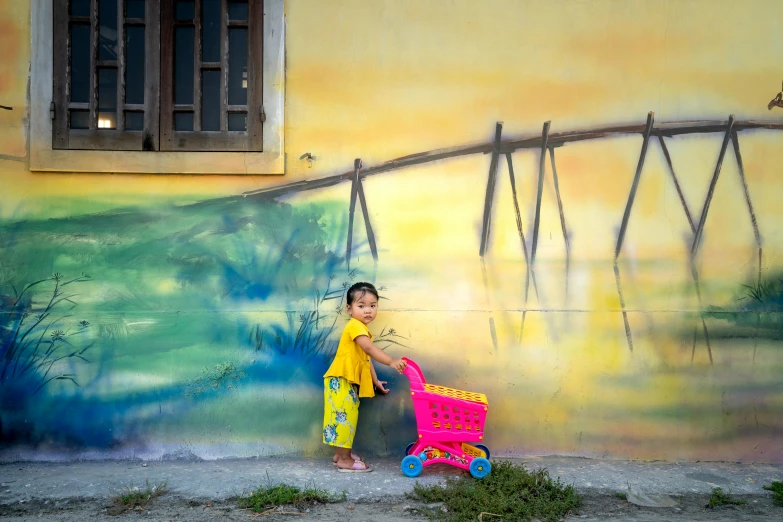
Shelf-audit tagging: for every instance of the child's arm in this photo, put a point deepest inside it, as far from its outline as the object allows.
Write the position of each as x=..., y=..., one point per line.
x=378, y=383
x=379, y=355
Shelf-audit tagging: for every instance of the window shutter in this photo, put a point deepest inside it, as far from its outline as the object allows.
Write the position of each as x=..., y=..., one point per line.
x=77, y=34
x=184, y=122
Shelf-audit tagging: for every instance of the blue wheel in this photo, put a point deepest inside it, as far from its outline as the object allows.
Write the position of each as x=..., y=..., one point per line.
x=479, y=467
x=409, y=448
x=411, y=466
x=483, y=448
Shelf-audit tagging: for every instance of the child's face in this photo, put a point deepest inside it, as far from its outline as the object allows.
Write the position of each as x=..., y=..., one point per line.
x=364, y=308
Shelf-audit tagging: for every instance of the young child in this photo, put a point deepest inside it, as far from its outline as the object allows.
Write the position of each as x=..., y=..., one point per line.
x=352, y=376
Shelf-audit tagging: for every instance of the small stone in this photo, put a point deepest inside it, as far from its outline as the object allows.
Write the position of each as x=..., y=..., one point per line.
x=640, y=498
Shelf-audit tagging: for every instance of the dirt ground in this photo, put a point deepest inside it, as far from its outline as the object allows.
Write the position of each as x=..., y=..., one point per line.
x=170, y=508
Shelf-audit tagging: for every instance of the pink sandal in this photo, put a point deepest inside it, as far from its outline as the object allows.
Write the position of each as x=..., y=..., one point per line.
x=358, y=467
x=354, y=457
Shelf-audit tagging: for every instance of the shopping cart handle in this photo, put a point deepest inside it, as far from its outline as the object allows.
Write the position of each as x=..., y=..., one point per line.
x=413, y=372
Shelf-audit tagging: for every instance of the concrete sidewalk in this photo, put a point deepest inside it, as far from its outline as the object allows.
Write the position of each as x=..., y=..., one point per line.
x=223, y=479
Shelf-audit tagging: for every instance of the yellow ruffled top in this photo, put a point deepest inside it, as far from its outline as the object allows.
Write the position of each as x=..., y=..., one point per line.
x=350, y=361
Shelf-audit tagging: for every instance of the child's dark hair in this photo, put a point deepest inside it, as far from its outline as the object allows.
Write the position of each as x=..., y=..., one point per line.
x=358, y=290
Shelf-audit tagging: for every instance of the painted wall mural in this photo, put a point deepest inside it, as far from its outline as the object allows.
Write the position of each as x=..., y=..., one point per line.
x=605, y=263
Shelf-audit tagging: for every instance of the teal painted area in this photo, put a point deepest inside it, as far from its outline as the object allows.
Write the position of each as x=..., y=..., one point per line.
x=756, y=312
x=178, y=322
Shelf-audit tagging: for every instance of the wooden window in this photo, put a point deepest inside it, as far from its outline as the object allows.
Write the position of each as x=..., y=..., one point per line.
x=211, y=56
x=158, y=75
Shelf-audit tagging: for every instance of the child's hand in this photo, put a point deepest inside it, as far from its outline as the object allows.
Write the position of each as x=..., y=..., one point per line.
x=379, y=386
x=398, y=364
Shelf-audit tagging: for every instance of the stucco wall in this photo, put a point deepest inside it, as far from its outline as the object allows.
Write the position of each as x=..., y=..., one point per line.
x=195, y=332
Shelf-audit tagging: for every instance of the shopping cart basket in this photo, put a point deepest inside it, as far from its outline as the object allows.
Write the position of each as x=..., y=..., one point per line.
x=447, y=422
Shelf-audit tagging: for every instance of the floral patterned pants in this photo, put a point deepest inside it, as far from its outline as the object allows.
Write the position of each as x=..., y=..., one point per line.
x=341, y=412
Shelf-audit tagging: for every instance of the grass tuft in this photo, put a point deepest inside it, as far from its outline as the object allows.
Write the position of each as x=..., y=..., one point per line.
x=621, y=496
x=138, y=498
x=510, y=491
x=719, y=498
x=777, y=492
x=265, y=498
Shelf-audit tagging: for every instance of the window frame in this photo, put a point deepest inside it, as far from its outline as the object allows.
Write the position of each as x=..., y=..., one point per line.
x=63, y=137
x=45, y=158
x=197, y=140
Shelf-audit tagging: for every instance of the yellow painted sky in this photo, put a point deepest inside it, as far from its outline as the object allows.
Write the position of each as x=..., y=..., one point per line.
x=382, y=78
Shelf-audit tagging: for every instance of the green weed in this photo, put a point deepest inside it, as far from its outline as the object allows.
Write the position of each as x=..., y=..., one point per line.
x=265, y=498
x=719, y=498
x=134, y=498
x=621, y=496
x=777, y=492
x=510, y=492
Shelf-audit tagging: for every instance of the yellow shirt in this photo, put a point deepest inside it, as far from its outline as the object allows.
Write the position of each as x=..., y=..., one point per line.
x=350, y=361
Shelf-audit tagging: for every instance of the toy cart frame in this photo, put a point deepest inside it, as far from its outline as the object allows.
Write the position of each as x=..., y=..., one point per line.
x=447, y=421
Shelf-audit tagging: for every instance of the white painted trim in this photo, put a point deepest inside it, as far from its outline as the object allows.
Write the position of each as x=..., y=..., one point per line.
x=44, y=159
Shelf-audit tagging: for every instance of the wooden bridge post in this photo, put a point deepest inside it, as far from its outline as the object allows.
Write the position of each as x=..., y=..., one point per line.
x=635, y=184
x=748, y=202
x=624, y=225
x=562, y=218
x=668, y=158
x=357, y=164
x=539, y=192
x=705, y=209
x=697, y=233
x=357, y=189
x=520, y=228
x=493, y=170
x=366, y=215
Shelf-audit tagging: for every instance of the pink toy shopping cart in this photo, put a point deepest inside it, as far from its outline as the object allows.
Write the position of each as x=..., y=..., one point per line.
x=447, y=421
